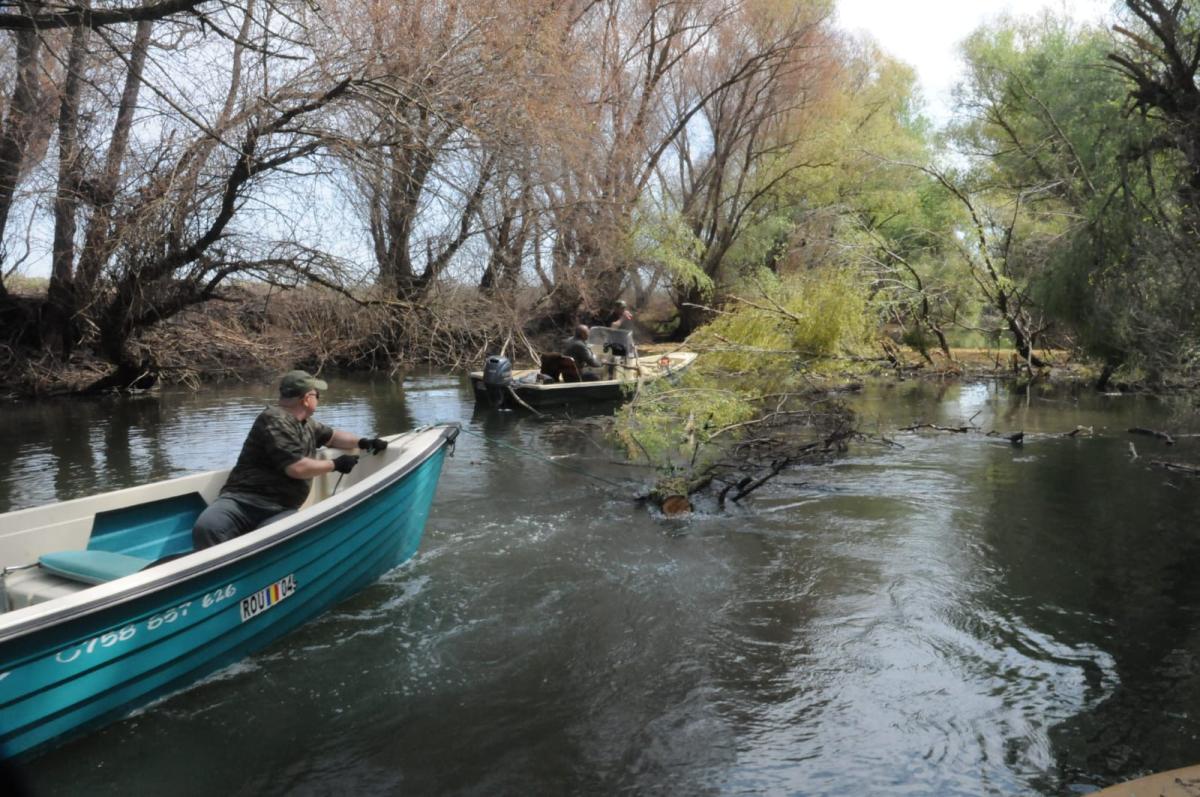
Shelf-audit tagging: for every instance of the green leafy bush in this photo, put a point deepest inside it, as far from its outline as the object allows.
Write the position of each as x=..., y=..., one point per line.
x=754, y=362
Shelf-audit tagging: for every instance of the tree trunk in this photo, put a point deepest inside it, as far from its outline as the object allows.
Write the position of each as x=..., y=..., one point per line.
x=57, y=327
x=691, y=314
x=97, y=244
x=14, y=138
x=1023, y=342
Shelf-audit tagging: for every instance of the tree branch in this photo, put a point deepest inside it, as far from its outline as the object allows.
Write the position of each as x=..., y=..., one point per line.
x=77, y=16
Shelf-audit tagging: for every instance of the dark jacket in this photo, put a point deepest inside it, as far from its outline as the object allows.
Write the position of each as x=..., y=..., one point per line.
x=276, y=441
x=578, y=350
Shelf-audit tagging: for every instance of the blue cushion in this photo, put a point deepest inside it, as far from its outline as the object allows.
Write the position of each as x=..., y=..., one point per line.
x=91, y=567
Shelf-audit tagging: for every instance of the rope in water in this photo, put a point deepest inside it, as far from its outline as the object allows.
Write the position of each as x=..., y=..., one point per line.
x=544, y=458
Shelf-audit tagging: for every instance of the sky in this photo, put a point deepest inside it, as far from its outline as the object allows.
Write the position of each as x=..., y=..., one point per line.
x=927, y=33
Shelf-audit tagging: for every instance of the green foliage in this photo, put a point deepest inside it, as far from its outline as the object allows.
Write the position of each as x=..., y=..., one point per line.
x=918, y=338
x=811, y=169
x=763, y=348
x=1040, y=87
x=1097, y=236
x=760, y=242
x=901, y=226
x=664, y=239
x=671, y=425
x=817, y=314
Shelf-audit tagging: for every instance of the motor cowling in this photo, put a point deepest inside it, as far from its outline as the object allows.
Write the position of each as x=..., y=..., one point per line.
x=497, y=370
x=497, y=376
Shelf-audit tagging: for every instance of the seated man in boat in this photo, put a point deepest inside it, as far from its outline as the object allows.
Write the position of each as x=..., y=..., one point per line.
x=577, y=349
x=278, y=462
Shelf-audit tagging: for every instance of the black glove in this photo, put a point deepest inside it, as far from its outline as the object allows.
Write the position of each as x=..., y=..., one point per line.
x=374, y=444
x=345, y=463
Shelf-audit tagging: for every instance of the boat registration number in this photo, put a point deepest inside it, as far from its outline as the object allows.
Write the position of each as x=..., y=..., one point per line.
x=267, y=597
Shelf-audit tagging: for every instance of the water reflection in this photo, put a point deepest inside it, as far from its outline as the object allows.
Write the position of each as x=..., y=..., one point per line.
x=956, y=616
x=66, y=448
x=1103, y=560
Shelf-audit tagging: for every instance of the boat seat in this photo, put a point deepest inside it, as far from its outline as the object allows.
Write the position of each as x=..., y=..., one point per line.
x=92, y=567
x=618, y=341
x=151, y=530
x=558, y=366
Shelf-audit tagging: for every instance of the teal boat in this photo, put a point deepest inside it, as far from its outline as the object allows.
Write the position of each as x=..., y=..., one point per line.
x=104, y=606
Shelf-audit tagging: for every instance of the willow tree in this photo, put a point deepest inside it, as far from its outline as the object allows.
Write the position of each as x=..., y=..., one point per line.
x=1157, y=53
x=169, y=143
x=629, y=52
x=647, y=76
x=729, y=169
x=1080, y=200
x=787, y=168
x=892, y=222
x=811, y=179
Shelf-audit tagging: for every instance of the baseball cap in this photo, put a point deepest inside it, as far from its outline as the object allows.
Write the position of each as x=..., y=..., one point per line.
x=296, y=383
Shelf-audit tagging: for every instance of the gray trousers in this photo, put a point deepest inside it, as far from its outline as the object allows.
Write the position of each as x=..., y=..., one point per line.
x=227, y=517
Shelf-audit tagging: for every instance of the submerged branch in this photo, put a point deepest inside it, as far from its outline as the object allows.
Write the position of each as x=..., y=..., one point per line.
x=1178, y=467
x=1166, y=438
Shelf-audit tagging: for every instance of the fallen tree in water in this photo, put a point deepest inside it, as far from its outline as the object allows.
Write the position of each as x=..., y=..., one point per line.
x=758, y=402
x=733, y=461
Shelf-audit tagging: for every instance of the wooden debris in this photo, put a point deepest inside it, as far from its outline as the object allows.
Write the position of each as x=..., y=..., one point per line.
x=674, y=505
x=1177, y=467
x=776, y=467
x=513, y=395
x=1166, y=438
x=936, y=428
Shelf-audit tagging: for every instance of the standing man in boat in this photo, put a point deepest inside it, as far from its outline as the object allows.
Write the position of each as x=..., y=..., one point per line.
x=620, y=318
x=275, y=470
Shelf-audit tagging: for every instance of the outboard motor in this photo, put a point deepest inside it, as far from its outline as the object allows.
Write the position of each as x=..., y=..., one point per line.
x=497, y=376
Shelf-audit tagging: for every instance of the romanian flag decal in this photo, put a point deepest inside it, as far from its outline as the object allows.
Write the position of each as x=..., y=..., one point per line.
x=267, y=597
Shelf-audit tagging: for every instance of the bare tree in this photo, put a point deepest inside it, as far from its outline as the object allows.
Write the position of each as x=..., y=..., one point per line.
x=629, y=51
x=418, y=170
x=26, y=126
x=1161, y=59
x=731, y=170
x=160, y=201
x=34, y=16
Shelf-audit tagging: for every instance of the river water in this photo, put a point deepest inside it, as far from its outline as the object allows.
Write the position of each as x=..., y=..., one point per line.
x=950, y=615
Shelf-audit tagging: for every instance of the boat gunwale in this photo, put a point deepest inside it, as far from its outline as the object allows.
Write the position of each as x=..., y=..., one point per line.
x=30, y=619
